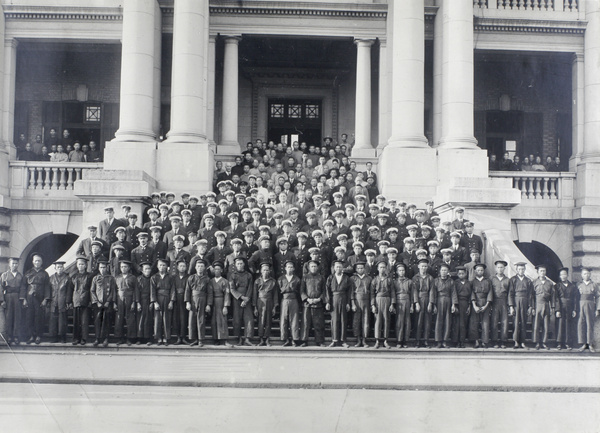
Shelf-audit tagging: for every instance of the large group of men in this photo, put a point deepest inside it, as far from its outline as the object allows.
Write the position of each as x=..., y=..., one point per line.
x=377, y=266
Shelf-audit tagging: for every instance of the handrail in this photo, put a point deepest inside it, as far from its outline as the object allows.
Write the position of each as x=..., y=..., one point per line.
x=50, y=176
x=542, y=187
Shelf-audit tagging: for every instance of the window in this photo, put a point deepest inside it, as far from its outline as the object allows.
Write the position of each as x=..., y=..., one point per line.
x=312, y=111
x=277, y=110
x=92, y=114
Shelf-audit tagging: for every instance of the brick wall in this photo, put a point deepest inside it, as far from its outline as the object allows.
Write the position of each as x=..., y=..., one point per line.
x=46, y=72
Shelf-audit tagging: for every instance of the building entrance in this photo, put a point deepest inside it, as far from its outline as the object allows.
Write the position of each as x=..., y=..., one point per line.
x=295, y=120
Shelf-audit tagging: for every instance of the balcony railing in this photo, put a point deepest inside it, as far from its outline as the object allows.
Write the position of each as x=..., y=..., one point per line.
x=529, y=5
x=46, y=179
x=542, y=189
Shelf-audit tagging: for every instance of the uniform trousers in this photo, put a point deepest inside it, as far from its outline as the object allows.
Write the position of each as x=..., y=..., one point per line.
x=500, y=314
x=403, y=319
x=180, y=316
x=144, y=320
x=480, y=326
x=13, y=315
x=242, y=315
x=361, y=318
x=3, y=324
x=124, y=316
x=541, y=322
x=567, y=327
x=290, y=319
x=58, y=323
x=521, y=307
x=162, y=318
x=314, y=317
x=423, y=321
x=585, y=325
x=34, y=316
x=219, y=326
x=339, y=316
x=102, y=318
x=81, y=323
x=382, y=317
x=196, y=318
x=443, y=321
x=460, y=321
x=265, y=316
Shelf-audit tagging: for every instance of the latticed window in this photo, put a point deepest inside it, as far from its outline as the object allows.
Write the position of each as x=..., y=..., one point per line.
x=295, y=111
x=92, y=114
x=277, y=110
x=312, y=111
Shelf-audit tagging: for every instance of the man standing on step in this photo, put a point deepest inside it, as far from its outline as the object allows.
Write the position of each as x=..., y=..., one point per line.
x=383, y=301
x=566, y=310
x=289, y=285
x=520, y=292
x=338, y=293
x=589, y=308
x=314, y=297
x=265, y=298
x=240, y=287
x=39, y=292
x=423, y=285
x=104, y=299
x=128, y=302
x=543, y=290
x=405, y=301
x=62, y=292
x=162, y=295
x=481, y=301
x=13, y=286
x=361, y=301
x=444, y=299
x=198, y=301
x=500, y=283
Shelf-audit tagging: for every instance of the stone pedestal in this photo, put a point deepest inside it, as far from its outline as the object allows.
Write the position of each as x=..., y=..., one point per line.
x=185, y=166
x=453, y=163
x=129, y=155
x=408, y=173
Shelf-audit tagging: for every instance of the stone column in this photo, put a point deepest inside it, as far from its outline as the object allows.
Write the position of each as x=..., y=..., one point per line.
x=157, y=71
x=384, y=99
x=407, y=165
x=437, y=74
x=210, y=93
x=362, y=121
x=4, y=156
x=190, y=34
x=587, y=194
x=8, y=95
x=229, y=120
x=577, y=89
x=458, y=152
x=136, y=114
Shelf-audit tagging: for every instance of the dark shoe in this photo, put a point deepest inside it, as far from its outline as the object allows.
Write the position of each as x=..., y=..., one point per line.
x=303, y=344
x=358, y=343
x=545, y=347
x=517, y=346
x=287, y=343
x=345, y=345
x=377, y=345
x=537, y=346
x=96, y=343
x=31, y=340
x=166, y=342
x=364, y=343
x=591, y=348
x=178, y=341
x=200, y=344
x=149, y=343
x=194, y=343
x=16, y=340
x=105, y=343
x=294, y=344
x=386, y=344
x=63, y=340
x=484, y=345
x=82, y=342
x=38, y=340
x=138, y=342
x=445, y=346
x=333, y=344
x=129, y=342
x=582, y=348
x=247, y=342
x=496, y=346
x=267, y=342
x=477, y=344
x=438, y=346
x=502, y=346
x=568, y=347
x=262, y=342
x=523, y=346
x=75, y=342
x=426, y=344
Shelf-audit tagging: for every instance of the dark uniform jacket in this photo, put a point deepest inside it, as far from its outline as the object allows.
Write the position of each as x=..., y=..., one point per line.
x=38, y=284
x=104, y=290
x=10, y=283
x=313, y=287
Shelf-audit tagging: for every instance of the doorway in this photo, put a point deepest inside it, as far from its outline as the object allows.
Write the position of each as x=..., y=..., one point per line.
x=295, y=120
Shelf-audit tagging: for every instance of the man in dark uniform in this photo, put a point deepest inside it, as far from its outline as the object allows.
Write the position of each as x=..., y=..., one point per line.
x=445, y=300
x=314, y=297
x=566, y=310
x=265, y=298
x=481, y=300
x=240, y=287
x=13, y=287
x=38, y=295
x=131, y=231
x=469, y=240
x=141, y=254
x=289, y=285
x=106, y=227
x=423, y=286
x=281, y=257
x=198, y=301
x=104, y=300
x=81, y=300
x=543, y=290
x=338, y=293
x=208, y=232
x=520, y=292
x=62, y=293
x=500, y=284
x=128, y=303
x=460, y=322
x=85, y=247
x=162, y=295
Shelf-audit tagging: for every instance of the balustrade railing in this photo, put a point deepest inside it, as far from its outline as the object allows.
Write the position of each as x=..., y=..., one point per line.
x=540, y=188
x=529, y=5
x=32, y=178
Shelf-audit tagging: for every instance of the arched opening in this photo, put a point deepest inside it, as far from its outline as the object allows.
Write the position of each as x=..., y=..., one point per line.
x=50, y=246
x=540, y=254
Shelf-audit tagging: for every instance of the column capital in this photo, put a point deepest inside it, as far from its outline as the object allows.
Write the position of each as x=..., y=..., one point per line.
x=11, y=42
x=232, y=39
x=577, y=57
x=361, y=42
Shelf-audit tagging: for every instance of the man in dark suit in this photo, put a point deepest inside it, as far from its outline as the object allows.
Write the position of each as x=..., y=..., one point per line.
x=370, y=173
x=85, y=246
x=106, y=227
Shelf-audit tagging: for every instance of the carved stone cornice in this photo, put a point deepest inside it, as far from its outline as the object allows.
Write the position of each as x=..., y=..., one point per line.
x=292, y=73
x=529, y=26
x=49, y=13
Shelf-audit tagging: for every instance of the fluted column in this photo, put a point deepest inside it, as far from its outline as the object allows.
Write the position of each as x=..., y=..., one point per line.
x=578, y=112
x=229, y=119
x=437, y=75
x=138, y=71
x=384, y=91
x=210, y=93
x=190, y=34
x=363, y=146
x=592, y=81
x=457, y=76
x=8, y=95
x=408, y=82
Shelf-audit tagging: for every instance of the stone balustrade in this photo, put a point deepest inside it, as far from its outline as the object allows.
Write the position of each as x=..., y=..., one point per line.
x=532, y=5
x=542, y=189
x=46, y=179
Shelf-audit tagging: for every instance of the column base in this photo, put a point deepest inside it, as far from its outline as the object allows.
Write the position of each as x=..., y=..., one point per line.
x=453, y=162
x=127, y=155
x=229, y=148
x=587, y=191
x=185, y=166
x=363, y=153
x=417, y=141
x=458, y=143
x=408, y=173
x=135, y=136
